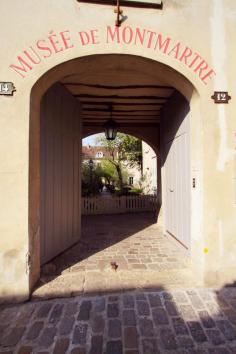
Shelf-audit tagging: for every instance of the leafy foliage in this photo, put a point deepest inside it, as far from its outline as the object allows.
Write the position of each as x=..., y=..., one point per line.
x=125, y=149
x=108, y=172
x=91, y=179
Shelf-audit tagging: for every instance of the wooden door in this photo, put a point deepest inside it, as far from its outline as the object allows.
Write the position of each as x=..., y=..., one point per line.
x=59, y=173
x=177, y=188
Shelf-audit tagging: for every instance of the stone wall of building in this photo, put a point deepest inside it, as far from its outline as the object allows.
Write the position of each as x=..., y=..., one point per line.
x=188, y=45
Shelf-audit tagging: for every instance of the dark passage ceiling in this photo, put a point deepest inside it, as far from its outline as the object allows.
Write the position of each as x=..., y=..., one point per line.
x=136, y=98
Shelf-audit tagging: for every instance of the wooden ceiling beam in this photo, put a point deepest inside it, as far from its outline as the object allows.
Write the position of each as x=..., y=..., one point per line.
x=120, y=87
x=121, y=119
x=121, y=97
x=121, y=101
x=117, y=118
x=104, y=103
x=140, y=124
x=114, y=111
x=102, y=122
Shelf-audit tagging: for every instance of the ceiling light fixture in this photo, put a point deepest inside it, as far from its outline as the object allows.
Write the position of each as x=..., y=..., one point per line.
x=110, y=127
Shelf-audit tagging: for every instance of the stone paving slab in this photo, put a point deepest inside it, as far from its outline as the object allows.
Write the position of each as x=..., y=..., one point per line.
x=144, y=257
x=192, y=320
x=94, y=282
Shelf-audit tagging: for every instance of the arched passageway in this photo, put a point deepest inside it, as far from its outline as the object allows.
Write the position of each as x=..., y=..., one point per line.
x=150, y=101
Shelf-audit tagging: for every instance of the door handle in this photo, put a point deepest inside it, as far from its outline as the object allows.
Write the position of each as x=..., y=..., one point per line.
x=171, y=190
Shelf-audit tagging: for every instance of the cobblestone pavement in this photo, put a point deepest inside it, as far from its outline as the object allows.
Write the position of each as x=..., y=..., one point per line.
x=145, y=258
x=150, y=304
x=186, y=321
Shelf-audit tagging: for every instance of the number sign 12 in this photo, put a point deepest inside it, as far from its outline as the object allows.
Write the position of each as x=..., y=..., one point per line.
x=221, y=97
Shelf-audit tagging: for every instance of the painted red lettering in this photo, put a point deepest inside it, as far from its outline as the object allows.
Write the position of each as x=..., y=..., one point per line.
x=34, y=59
x=24, y=66
x=54, y=42
x=150, y=38
x=196, y=57
x=40, y=45
x=140, y=36
x=94, y=37
x=175, y=50
x=162, y=44
x=127, y=35
x=112, y=35
x=65, y=36
x=208, y=75
x=84, y=37
x=202, y=66
x=186, y=54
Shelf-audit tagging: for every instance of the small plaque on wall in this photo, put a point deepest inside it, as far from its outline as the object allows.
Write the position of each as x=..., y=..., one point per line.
x=7, y=88
x=221, y=97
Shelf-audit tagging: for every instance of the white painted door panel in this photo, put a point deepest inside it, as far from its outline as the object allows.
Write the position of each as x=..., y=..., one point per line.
x=177, y=191
x=60, y=178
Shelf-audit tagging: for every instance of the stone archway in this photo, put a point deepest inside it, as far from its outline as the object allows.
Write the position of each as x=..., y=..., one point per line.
x=81, y=67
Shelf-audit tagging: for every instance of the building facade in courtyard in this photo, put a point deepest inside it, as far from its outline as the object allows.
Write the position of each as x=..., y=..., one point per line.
x=149, y=169
x=168, y=69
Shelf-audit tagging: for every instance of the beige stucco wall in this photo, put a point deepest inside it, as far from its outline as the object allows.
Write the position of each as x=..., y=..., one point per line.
x=149, y=169
x=208, y=29
x=134, y=172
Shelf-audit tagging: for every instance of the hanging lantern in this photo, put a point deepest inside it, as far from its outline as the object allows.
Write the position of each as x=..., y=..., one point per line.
x=110, y=128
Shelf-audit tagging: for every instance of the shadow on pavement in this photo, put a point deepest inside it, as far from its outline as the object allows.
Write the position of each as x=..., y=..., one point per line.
x=148, y=321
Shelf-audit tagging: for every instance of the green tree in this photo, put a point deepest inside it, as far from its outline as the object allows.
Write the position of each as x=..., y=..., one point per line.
x=108, y=172
x=91, y=179
x=125, y=148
